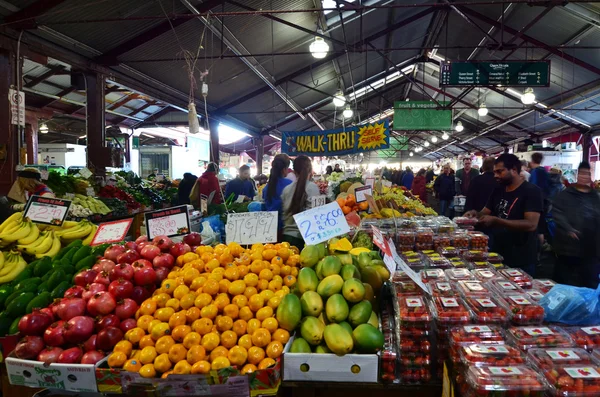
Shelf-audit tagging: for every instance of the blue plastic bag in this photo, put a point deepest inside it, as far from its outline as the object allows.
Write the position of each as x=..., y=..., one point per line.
x=571, y=305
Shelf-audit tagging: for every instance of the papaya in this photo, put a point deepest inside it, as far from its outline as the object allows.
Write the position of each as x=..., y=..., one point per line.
x=299, y=345
x=331, y=245
x=346, y=259
x=311, y=330
x=360, y=313
x=18, y=306
x=373, y=320
x=39, y=302
x=338, y=339
x=372, y=277
x=322, y=349
x=364, y=260
x=331, y=265
x=367, y=338
x=346, y=326
x=369, y=293
x=322, y=250
x=349, y=271
x=377, y=262
x=375, y=254
x=319, y=270
x=309, y=256
x=289, y=312
x=353, y=290
x=357, y=250
x=307, y=280
x=336, y=308
x=311, y=303
x=383, y=272
x=330, y=285
x=82, y=252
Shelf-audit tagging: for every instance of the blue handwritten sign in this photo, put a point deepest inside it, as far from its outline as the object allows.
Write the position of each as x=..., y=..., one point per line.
x=322, y=223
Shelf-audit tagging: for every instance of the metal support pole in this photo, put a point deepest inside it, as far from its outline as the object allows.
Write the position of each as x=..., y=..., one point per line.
x=96, y=153
x=260, y=151
x=214, y=141
x=586, y=143
x=9, y=150
x=31, y=139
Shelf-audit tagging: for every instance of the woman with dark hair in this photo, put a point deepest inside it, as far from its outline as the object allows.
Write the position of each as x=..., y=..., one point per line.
x=271, y=193
x=296, y=199
x=205, y=185
x=329, y=170
x=418, y=186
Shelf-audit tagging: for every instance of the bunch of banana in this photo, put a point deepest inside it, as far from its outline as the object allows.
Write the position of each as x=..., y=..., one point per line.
x=12, y=265
x=47, y=244
x=12, y=220
x=90, y=237
x=81, y=231
x=15, y=231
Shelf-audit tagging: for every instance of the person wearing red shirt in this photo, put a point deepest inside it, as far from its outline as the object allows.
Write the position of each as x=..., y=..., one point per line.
x=418, y=186
x=205, y=185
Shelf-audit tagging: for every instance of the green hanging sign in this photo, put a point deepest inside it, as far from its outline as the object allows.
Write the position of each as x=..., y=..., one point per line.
x=421, y=116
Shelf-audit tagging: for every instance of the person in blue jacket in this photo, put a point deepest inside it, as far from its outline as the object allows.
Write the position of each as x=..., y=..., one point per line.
x=407, y=178
x=271, y=193
x=242, y=185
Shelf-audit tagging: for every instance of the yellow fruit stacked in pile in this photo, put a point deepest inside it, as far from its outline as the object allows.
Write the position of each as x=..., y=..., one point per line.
x=215, y=309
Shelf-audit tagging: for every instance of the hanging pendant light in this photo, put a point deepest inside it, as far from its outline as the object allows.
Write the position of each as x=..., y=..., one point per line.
x=483, y=110
x=434, y=139
x=339, y=99
x=348, y=112
x=43, y=129
x=426, y=144
x=459, y=127
x=528, y=96
x=410, y=154
x=445, y=136
x=319, y=48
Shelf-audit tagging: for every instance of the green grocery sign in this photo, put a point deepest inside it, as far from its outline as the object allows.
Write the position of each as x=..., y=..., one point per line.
x=421, y=115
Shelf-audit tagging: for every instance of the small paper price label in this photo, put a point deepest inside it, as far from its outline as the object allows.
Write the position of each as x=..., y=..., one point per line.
x=46, y=210
x=251, y=227
x=379, y=241
x=111, y=232
x=317, y=201
x=360, y=193
x=322, y=223
x=169, y=222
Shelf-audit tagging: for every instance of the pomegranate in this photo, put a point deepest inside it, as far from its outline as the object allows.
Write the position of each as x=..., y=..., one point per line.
x=101, y=304
x=193, y=239
x=162, y=273
x=141, y=246
x=70, y=356
x=104, y=265
x=140, y=294
x=114, y=251
x=128, y=256
x=128, y=324
x=141, y=239
x=140, y=263
x=163, y=242
x=92, y=290
x=74, y=292
x=150, y=251
x=110, y=320
x=79, y=329
x=54, y=307
x=92, y=357
x=126, y=309
x=71, y=307
x=179, y=249
x=55, y=334
x=85, y=277
x=49, y=355
x=48, y=311
x=131, y=245
x=102, y=278
x=29, y=347
x=90, y=344
x=164, y=260
x=123, y=271
x=35, y=323
x=145, y=276
x=120, y=289
x=108, y=338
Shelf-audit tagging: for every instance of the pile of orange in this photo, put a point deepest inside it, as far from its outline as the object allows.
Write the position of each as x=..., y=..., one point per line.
x=215, y=309
x=349, y=204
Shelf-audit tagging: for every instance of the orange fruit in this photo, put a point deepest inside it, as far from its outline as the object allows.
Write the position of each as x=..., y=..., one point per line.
x=237, y=288
x=198, y=282
x=202, y=326
x=231, y=310
x=274, y=349
x=132, y=365
x=164, y=314
x=270, y=324
x=210, y=341
x=189, y=256
x=248, y=369
x=286, y=270
x=274, y=302
x=256, y=302
x=250, y=291
x=264, y=313
x=148, y=307
x=211, y=265
x=201, y=367
x=253, y=325
x=221, y=301
x=278, y=260
x=159, y=330
x=237, y=355
x=224, y=286
x=162, y=363
x=191, y=339
x=117, y=359
x=177, y=319
x=267, y=294
x=263, y=285
x=224, y=323
x=134, y=335
x=202, y=300
x=147, y=371
x=179, y=332
x=144, y=321
x=255, y=355
x=245, y=341
x=246, y=314
x=240, y=327
x=251, y=279
x=232, y=273
x=161, y=298
x=243, y=269
x=261, y=337
x=219, y=363
x=148, y=355
x=190, y=274
x=275, y=268
x=293, y=260
x=289, y=281
x=219, y=351
x=182, y=367
x=295, y=271
x=195, y=353
x=152, y=324
x=266, y=363
x=283, y=253
x=187, y=301
x=281, y=335
x=229, y=339
x=256, y=266
x=240, y=301
x=211, y=287
x=266, y=274
x=192, y=314
x=177, y=353
x=146, y=341
x=180, y=291
x=163, y=344
x=269, y=254
x=173, y=303
x=123, y=346
x=209, y=311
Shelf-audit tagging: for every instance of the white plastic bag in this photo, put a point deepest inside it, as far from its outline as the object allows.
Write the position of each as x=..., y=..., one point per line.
x=207, y=233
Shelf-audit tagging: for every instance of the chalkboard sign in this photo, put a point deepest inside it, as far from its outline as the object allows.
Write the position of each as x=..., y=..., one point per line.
x=169, y=222
x=251, y=227
x=322, y=223
x=47, y=210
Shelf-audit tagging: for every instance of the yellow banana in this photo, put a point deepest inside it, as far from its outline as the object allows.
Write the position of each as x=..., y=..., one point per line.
x=90, y=237
x=2, y=260
x=69, y=224
x=11, y=220
x=15, y=271
x=53, y=249
x=43, y=247
x=33, y=235
x=19, y=234
x=38, y=241
x=60, y=231
x=78, y=233
x=11, y=229
x=8, y=265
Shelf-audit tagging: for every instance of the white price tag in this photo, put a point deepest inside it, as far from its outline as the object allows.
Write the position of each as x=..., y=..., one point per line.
x=251, y=227
x=111, y=232
x=379, y=241
x=46, y=210
x=520, y=300
x=414, y=302
x=169, y=222
x=401, y=265
x=361, y=191
x=85, y=173
x=317, y=201
x=370, y=182
x=563, y=355
x=582, y=372
x=492, y=349
x=507, y=285
x=385, y=183
x=449, y=302
x=476, y=328
x=485, y=302
x=322, y=223
x=535, y=331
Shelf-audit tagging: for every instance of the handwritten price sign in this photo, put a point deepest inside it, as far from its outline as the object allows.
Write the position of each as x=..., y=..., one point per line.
x=46, y=210
x=169, y=222
x=322, y=223
x=112, y=232
x=251, y=227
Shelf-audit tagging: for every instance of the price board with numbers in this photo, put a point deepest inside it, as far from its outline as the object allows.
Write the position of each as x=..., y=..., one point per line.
x=169, y=222
x=47, y=210
x=112, y=232
x=322, y=223
x=251, y=227
x=317, y=201
x=361, y=192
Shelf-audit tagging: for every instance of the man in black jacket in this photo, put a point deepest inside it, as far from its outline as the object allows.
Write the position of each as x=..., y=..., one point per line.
x=185, y=188
x=481, y=186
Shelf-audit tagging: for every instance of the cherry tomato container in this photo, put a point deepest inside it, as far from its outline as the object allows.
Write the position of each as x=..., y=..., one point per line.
x=503, y=286
x=449, y=311
x=414, y=345
x=438, y=261
x=458, y=263
x=487, y=309
x=415, y=360
x=474, y=255
x=485, y=274
x=411, y=255
x=460, y=240
x=442, y=288
x=574, y=380
x=535, y=294
x=404, y=248
x=546, y=359
x=433, y=275
x=424, y=235
x=399, y=276
x=464, y=221
x=476, y=354
x=524, y=310
x=543, y=284
x=473, y=334
x=448, y=251
x=526, y=338
x=414, y=376
x=479, y=241
x=441, y=240
x=406, y=237
x=416, y=263
x=407, y=288
x=495, y=258
x=587, y=338
x=473, y=287
x=458, y=274
x=517, y=276
x=413, y=310
x=504, y=381
x=480, y=265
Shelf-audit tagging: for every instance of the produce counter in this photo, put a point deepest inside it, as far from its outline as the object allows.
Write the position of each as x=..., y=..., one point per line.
x=339, y=389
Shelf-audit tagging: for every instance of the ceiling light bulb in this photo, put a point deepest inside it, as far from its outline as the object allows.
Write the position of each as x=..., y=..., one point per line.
x=483, y=110
x=426, y=144
x=410, y=154
x=348, y=113
x=445, y=136
x=43, y=129
x=528, y=96
x=459, y=127
x=339, y=99
x=319, y=48
x=433, y=139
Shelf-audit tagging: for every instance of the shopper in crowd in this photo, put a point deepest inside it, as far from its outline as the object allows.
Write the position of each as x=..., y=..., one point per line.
x=241, y=186
x=328, y=170
x=408, y=177
x=464, y=176
x=386, y=173
x=337, y=168
x=153, y=174
x=296, y=199
x=261, y=182
x=207, y=186
x=524, y=173
x=271, y=194
x=429, y=175
x=418, y=186
x=30, y=182
x=555, y=184
x=444, y=188
x=513, y=212
x=482, y=186
x=397, y=177
x=576, y=212
x=185, y=188
x=539, y=177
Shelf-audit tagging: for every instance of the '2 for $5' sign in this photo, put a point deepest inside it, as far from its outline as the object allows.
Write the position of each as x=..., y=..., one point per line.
x=321, y=223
